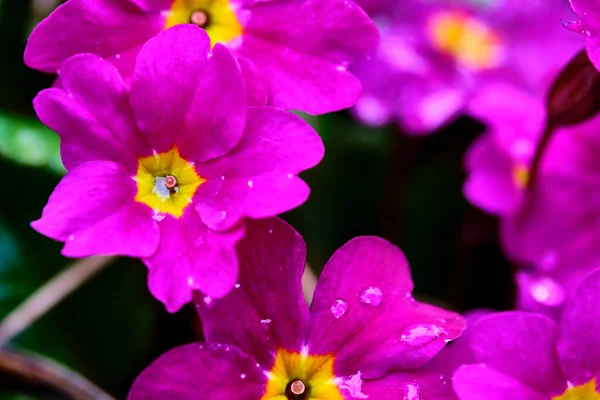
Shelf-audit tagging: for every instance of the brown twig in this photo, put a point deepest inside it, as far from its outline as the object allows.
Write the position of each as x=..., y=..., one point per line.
x=49, y=295
x=309, y=283
x=40, y=370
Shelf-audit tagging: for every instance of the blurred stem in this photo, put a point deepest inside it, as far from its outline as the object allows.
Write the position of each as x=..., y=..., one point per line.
x=50, y=294
x=40, y=370
x=539, y=153
x=309, y=283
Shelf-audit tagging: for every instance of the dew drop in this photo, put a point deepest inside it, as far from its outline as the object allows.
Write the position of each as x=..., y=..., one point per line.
x=223, y=214
x=412, y=391
x=71, y=238
x=207, y=300
x=353, y=386
x=421, y=334
x=371, y=296
x=265, y=323
x=339, y=308
x=574, y=26
x=243, y=376
x=237, y=286
x=158, y=217
x=250, y=184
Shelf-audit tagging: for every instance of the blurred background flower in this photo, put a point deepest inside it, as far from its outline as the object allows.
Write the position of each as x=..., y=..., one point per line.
x=435, y=55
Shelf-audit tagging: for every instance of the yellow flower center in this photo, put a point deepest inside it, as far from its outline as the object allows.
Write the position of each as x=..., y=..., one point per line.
x=216, y=17
x=166, y=182
x=469, y=41
x=520, y=175
x=303, y=377
x=587, y=391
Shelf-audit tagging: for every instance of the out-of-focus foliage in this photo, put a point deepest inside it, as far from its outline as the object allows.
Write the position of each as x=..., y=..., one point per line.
x=28, y=142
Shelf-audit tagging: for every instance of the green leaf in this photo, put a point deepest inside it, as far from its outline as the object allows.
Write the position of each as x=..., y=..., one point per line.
x=29, y=142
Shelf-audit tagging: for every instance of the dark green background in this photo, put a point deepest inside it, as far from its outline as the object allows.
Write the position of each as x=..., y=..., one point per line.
x=371, y=182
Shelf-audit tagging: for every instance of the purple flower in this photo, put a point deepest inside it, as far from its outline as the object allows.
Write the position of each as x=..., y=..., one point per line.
x=555, y=233
x=293, y=54
x=527, y=356
x=588, y=25
x=364, y=336
x=435, y=55
x=168, y=169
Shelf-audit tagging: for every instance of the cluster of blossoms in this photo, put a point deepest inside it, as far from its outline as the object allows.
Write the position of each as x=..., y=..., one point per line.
x=180, y=150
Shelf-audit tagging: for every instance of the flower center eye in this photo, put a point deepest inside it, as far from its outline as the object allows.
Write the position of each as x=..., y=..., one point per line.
x=470, y=41
x=200, y=18
x=170, y=182
x=296, y=390
x=165, y=186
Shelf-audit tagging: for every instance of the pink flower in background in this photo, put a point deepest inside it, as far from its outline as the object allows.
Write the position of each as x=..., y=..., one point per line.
x=364, y=336
x=293, y=53
x=435, y=55
x=168, y=169
x=556, y=232
x=527, y=356
x=550, y=229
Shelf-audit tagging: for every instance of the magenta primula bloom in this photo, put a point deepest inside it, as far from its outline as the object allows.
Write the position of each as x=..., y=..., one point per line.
x=364, y=336
x=435, y=55
x=528, y=356
x=293, y=54
x=169, y=169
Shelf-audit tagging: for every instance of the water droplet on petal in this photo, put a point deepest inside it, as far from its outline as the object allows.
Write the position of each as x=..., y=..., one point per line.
x=353, y=386
x=421, y=334
x=71, y=237
x=371, y=296
x=573, y=26
x=265, y=323
x=207, y=300
x=237, y=286
x=339, y=308
x=250, y=184
x=223, y=214
x=243, y=376
x=158, y=217
x=412, y=391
